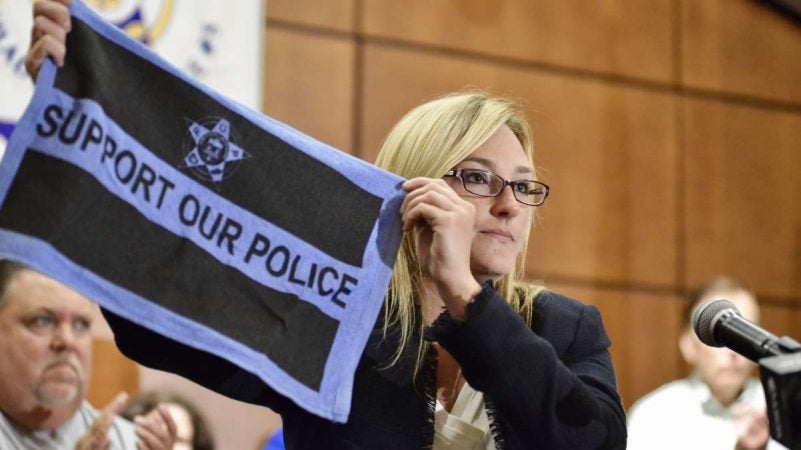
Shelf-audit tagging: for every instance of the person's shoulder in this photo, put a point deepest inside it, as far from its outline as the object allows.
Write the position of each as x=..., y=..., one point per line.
x=676, y=392
x=568, y=323
x=551, y=302
x=558, y=310
x=665, y=418
x=9, y=434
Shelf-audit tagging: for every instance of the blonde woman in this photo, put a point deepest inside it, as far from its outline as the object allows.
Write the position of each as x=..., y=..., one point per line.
x=465, y=355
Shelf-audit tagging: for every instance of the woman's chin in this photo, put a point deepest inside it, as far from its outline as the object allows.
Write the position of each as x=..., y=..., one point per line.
x=493, y=265
x=484, y=272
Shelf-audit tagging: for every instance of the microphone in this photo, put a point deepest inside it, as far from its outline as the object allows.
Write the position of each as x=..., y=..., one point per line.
x=719, y=324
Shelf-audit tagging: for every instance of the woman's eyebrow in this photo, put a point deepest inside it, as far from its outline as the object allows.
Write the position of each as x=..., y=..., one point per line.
x=489, y=164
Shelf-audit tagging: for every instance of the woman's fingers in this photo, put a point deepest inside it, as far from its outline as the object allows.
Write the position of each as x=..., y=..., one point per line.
x=51, y=23
x=41, y=49
x=446, y=206
x=423, y=213
x=56, y=11
x=43, y=25
x=441, y=203
x=418, y=187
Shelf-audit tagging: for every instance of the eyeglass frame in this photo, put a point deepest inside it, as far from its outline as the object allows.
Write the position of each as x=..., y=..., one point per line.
x=504, y=182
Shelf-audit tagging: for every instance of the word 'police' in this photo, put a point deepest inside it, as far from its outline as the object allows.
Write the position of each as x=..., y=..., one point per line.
x=277, y=263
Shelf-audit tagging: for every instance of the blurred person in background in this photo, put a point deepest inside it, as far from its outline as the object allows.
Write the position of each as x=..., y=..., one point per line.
x=192, y=430
x=46, y=348
x=720, y=405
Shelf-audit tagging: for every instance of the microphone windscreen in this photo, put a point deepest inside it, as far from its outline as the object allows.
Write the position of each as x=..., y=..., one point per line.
x=704, y=318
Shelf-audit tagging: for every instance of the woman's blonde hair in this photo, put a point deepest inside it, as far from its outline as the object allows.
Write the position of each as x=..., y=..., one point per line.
x=430, y=140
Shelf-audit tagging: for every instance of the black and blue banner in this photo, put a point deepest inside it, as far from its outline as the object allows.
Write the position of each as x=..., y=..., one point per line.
x=197, y=219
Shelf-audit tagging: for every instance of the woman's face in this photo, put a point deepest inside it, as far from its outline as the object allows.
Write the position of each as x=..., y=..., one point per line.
x=502, y=223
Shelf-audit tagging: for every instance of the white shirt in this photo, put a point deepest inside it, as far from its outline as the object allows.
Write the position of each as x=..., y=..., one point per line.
x=12, y=436
x=466, y=427
x=683, y=414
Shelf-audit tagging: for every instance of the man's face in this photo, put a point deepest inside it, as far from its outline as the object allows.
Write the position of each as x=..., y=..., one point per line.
x=46, y=349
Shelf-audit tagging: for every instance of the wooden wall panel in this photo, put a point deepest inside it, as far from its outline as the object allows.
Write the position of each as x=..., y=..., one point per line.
x=308, y=84
x=743, y=196
x=607, y=151
x=644, y=329
x=782, y=320
x=327, y=14
x=741, y=46
x=112, y=373
x=631, y=38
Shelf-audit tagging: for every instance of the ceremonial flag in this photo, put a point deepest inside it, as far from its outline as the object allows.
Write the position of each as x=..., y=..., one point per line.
x=198, y=219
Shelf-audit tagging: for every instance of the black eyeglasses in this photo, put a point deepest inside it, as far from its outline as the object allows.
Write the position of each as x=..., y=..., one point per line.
x=488, y=184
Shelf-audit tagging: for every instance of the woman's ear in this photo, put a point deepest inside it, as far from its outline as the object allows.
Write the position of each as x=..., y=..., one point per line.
x=687, y=347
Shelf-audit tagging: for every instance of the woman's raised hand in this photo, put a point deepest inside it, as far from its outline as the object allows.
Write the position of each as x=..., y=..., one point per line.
x=444, y=223
x=51, y=23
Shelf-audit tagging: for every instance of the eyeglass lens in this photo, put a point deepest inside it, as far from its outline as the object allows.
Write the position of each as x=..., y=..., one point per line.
x=488, y=184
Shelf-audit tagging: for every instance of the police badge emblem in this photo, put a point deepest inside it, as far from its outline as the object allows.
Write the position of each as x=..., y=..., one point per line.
x=214, y=153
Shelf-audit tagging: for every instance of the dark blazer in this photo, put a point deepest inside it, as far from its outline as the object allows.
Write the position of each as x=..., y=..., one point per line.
x=553, y=388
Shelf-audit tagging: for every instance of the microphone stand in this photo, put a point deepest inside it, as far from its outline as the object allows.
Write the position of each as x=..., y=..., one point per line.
x=781, y=380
